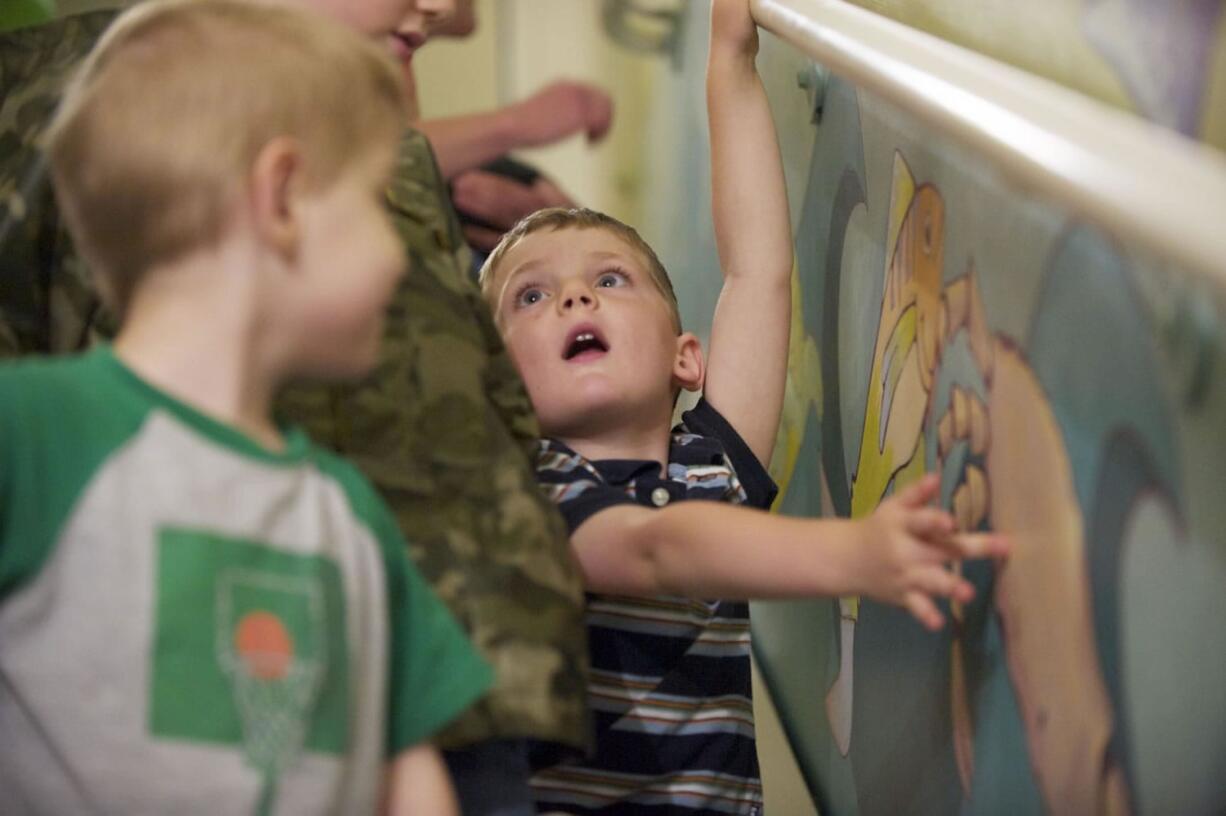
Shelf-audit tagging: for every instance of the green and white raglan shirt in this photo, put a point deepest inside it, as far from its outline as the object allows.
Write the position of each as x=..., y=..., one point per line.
x=192, y=624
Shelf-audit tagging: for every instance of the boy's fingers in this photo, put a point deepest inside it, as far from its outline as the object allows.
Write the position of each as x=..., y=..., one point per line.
x=922, y=492
x=941, y=582
x=924, y=610
x=930, y=523
x=978, y=545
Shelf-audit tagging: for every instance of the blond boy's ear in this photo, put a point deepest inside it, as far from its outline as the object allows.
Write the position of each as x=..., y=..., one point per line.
x=275, y=182
x=689, y=368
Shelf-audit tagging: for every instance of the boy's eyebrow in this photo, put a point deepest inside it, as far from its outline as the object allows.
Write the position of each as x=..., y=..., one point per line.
x=526, y=266
x=604, y=255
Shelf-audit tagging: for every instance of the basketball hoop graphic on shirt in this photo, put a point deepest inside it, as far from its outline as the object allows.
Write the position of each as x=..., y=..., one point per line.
x=270, y=644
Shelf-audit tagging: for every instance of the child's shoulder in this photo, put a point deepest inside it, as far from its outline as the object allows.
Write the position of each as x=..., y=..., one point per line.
x=364, y=501
x=31, y=382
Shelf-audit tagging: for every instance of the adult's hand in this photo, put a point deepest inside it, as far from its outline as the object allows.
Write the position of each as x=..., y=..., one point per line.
x=551, y=114
x=499, y=203
x=559, y=110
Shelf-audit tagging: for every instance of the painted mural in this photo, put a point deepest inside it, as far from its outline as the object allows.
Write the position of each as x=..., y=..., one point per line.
x=1023, y=361
x=1069, y=390
x=1165, y=61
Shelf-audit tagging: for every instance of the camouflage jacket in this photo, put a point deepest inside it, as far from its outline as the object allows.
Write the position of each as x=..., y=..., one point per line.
x=47, y=303
x=445, y=430
x=443, y=427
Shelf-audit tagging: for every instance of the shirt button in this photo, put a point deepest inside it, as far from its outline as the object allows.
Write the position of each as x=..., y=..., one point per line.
x=660, y=497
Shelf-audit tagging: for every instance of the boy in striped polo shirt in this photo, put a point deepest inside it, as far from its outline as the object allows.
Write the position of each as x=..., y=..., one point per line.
x=661, y=519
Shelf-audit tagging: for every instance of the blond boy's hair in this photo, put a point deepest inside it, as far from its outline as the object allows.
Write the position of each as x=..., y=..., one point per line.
x=159, y=131
x=557, y=218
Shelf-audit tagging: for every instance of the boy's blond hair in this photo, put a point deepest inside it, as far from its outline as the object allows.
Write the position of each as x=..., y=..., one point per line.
x=160, y=129
x=557, y=218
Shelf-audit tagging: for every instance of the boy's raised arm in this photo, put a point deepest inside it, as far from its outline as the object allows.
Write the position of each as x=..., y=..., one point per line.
x=749, y=335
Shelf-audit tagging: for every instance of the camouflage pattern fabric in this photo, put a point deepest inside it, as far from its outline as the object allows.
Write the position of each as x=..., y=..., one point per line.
x=47, y=302
x=443, y=427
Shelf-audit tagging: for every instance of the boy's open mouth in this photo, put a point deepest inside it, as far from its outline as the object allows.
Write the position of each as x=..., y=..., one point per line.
x=584, y=342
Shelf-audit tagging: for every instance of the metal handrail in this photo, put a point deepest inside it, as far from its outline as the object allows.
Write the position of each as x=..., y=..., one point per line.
x=1140, y=182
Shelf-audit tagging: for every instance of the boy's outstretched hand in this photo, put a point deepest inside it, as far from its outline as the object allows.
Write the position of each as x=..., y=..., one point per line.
x=905, y=546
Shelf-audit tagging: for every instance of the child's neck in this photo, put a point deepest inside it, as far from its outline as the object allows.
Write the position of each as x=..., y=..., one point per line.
x=647, y=439
x=194, y=332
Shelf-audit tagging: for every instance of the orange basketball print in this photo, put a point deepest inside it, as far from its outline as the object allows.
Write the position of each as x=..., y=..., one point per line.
x=264, y=645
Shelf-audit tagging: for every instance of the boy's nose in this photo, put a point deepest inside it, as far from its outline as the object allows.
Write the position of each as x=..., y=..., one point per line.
x=575, y=293
x=570, y=301
x=436, y=11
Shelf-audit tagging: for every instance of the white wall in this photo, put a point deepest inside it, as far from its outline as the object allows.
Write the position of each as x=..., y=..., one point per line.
x=522, y=45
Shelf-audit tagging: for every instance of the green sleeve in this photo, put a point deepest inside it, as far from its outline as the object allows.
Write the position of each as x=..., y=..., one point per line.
x=6, y=464
x=52, y=439
x=19, y=13
x=435, y=674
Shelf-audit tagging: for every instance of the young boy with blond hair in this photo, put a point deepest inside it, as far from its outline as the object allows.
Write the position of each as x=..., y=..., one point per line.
x=442, y=427
x=198, y=608
x=590, y=319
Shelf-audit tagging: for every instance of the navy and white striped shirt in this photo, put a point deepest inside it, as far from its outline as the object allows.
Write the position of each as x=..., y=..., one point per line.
x=670, y=689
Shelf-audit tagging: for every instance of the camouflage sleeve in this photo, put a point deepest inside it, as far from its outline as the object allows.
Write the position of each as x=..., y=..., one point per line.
x=429, y=429
x=505, y=387
x=48, y=303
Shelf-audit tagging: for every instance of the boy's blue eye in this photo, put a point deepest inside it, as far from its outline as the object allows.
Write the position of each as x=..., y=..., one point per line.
x=529, y=296
x=608, y=280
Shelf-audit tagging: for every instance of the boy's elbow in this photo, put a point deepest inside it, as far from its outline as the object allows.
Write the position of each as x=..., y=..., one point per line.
x=623, y=553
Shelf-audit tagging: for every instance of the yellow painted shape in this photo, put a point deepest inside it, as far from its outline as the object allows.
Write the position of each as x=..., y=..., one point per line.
x=901, y=195
x=877, y=463
x=802, y=389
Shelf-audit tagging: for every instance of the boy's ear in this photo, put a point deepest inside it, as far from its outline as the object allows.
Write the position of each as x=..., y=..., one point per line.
x=276, y=181
x=688, y=367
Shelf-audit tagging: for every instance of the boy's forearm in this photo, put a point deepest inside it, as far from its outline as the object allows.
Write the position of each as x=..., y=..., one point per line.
x=734, y=552
x=750, y=330
x=749, y=196
x=708, y=550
